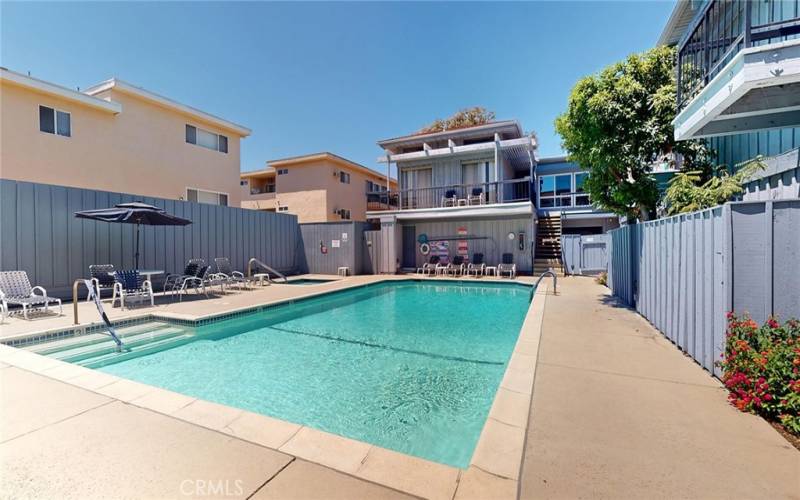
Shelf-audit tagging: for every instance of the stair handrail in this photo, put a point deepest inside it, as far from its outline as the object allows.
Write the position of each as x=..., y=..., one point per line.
x=552, y=273
x=256, y=261
x=96, y=299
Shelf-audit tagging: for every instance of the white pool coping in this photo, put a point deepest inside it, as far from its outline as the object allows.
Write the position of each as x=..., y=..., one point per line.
x=495, y=465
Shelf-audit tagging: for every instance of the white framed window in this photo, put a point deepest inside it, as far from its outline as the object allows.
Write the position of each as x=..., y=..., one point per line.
x=209, y=140
x=344, y=177
x=54, y=121
x=209, y=197
x=563, y=190
x=283, y=171
x=283, y=209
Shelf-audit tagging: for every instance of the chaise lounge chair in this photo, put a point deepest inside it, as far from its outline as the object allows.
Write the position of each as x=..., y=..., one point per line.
x=175, y=281
x=457, y=267
x=507, y=266
x=226, y=273
x=441, y=269
x=428, y=267
x=202, y=279
x=477, y=266
x=16, y=289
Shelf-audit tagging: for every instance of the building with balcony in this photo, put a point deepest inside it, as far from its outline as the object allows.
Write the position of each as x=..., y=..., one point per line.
x=738, y=75
x=116, y=136
x=320, y=187
x=480, y=190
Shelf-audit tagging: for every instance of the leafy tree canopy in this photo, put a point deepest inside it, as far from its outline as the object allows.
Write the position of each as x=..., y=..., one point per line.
x=688, y=192
x=618, y=125
x=465, y=118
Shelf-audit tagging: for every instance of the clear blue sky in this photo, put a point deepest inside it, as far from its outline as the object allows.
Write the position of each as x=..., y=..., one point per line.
x=309, y=77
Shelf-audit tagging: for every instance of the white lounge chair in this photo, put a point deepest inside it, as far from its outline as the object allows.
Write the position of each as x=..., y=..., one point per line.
x=428, y=267
x=477, y=267
x=130, y=287
x=507, y=267
x=226, y=273
x=16, y=289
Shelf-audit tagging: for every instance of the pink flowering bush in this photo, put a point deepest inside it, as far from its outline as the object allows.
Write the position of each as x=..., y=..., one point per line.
x=762, y=369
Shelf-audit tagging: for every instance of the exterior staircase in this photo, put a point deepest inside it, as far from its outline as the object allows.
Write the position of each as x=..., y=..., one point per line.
x=548, y=246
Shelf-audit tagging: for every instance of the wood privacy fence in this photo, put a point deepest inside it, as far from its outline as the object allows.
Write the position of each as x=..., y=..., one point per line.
x=684, y=273
x=584, y=254
x=39, y=234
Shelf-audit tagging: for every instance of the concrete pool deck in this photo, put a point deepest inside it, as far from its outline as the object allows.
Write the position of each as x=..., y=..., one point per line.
x=616, y=411
x=619, y=412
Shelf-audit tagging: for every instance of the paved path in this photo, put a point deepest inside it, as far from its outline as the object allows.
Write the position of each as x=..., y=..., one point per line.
x=619, y=412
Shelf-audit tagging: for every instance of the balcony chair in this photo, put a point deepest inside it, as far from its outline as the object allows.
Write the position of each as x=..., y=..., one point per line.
x=450, y=199
x=476, y=197
x=477, y=266
x=16, y=289
x=507, y=266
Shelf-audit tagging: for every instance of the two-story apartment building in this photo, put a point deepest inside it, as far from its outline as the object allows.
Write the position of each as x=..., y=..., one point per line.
x=479, y=190
x=320, y=187
x=117, y=137
x=738, y=75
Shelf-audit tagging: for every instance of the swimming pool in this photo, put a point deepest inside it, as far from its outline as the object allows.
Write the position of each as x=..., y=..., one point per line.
x=409, y=366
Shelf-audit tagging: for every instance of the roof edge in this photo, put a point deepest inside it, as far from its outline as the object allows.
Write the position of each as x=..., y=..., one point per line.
x=419, y=136
x=59, y=91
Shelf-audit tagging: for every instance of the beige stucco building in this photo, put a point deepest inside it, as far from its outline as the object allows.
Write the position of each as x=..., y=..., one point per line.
x=320, y=187
x=116, y=137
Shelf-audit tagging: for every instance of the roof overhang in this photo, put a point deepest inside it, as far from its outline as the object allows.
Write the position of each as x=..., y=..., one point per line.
x=522, y=208
x=511, y=126
x=327, y=156
x=758, y=89
x=58, y=91
x=682, y=16
x=166, y=102
x=258, y=173
x=518, y=151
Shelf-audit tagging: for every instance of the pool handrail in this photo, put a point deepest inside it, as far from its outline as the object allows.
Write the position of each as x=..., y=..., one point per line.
x=552, y=273
x=93, y=294
x=256, y=261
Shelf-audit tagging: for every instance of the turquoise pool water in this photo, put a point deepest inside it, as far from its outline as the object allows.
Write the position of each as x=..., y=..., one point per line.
x=408, y=366
x=308, y=281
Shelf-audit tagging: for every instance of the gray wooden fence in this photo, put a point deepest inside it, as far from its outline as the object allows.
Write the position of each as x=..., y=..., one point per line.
x=584, y=254
x=684, y=273
x=343, y=244
x=40, y=235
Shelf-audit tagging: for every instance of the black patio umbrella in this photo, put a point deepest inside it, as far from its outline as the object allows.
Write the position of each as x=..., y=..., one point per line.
x=134, y=213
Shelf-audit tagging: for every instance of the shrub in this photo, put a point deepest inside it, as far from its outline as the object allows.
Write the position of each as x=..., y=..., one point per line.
x=602, y=279
x=762, y=369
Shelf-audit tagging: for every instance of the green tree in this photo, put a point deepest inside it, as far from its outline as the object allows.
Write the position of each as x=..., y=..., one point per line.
x=618, y=125
x=688, y=191
x=465, y=118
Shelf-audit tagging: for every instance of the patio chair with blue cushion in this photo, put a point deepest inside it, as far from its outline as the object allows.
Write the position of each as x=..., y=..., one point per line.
x=102, y=278
x=507, y=266
x=16, y=290
x=130, y=287
x=450, y=198
x=477, y=266
x=476, y=196
x=228, y=275
x=456, y=268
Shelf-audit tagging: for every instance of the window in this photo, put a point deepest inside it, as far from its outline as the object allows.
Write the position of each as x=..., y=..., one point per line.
x=344, y=177
x=283, y=209
x=210, y=197
x=344, y=214
x=52, y=121
x=283, y=171
x=563, y=190
x=207, y=139
x=243, y=182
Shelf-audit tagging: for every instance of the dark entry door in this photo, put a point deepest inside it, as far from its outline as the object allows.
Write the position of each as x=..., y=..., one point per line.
x=409, y=246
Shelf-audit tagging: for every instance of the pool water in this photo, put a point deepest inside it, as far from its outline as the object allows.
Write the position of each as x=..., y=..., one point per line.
x=308, y=281
x=408, y=366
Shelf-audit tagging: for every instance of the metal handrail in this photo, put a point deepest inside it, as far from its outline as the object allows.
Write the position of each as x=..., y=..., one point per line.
x=552, y=273
x=93, y=295
x=256, y=261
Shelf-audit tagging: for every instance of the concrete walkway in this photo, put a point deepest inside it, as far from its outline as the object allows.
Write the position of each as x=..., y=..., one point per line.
x=619, y=412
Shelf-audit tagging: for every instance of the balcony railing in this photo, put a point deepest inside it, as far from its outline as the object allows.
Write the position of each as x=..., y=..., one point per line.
x=270, y=188
x=723, y=28
x=485, y=193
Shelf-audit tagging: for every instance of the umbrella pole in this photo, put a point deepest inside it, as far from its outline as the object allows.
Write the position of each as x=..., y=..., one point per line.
x=137, y=247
